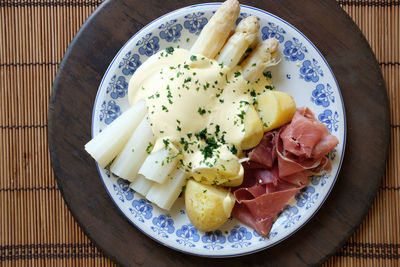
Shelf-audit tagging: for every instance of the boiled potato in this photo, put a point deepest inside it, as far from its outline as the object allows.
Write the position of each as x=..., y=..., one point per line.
x=221, y=172
x=222, y=167
x=253, y=129
x=207, y=207
x=237, y=180
x=275, y=109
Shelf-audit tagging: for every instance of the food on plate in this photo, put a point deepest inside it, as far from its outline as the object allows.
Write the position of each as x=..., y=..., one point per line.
x=246, y=33
x=275, y=109
x=217, y=30
x=253, y=128
x=105, y=146
x=279, y=167
x=208, y=207
x=202, y=120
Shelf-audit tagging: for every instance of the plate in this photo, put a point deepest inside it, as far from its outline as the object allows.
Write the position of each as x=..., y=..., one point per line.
x=302, y=72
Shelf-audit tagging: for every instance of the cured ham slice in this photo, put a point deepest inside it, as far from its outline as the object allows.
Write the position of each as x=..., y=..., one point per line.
x=279, y=167
x=260, y=212
x=264, y=153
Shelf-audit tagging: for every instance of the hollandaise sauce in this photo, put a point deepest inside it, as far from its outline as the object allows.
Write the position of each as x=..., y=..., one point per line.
x=198, y=107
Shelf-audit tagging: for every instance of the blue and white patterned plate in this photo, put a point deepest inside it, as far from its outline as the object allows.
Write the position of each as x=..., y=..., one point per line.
x=302, y=72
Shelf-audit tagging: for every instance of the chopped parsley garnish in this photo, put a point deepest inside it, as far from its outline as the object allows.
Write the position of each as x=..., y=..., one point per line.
x=166, y=142
x=193, y=58
x=202, y=135
x=148, y=148
x=241, y=114
x=188, y=79
x=253, y=93
x=237, y=74
x=267, y=74
x=201, y=111
x=217, y=130
x=207, y=151
x=169, y=50
x=233, y=149
x=164, y=108
x=269, y=87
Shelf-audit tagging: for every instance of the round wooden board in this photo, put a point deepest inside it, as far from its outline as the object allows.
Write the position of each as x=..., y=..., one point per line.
x=368, y=135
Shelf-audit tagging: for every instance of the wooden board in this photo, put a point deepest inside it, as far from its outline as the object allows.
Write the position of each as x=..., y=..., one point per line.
x=367, y=113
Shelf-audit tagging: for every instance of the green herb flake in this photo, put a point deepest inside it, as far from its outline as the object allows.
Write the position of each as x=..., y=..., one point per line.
x=193, y=58
x=201, y=111
x=267, y=74
x=169, y=50
x=233, y=149
x=166, y=142
x=237, y=74
x=148, y=148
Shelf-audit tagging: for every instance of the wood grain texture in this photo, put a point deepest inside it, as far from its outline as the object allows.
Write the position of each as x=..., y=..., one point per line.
x=364, y=94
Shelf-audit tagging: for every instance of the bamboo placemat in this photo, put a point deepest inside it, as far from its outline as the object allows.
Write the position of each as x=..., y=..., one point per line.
x=36, y=228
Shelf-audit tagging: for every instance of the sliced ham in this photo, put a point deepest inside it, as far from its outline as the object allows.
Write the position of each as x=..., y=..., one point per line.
x=306, y=136
x=279, y=167
x=260, y=212
x=264, y=153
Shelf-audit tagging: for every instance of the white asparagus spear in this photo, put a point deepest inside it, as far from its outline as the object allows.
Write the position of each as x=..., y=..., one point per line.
x=105, y=146
x=245, y=34
x=263, y=56
x=214, y=34
x=159, y=164
x=132, y=156
x=141, y=185
x=164, y=195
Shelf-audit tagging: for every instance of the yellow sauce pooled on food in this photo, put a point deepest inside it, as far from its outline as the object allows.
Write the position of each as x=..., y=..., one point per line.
x=199, y=107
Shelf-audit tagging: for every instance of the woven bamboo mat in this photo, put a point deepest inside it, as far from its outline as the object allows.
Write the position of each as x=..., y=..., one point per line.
x=36, y=227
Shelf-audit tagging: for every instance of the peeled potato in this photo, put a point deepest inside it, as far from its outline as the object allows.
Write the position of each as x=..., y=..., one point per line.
x=216, y=170
x=253, y=129
x=237, y=180
x=275, y=109
x=207, y=207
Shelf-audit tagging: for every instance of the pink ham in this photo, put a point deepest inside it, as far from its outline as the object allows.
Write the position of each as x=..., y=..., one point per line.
x=260, y=212
x=279, y=167
x=264, y=153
